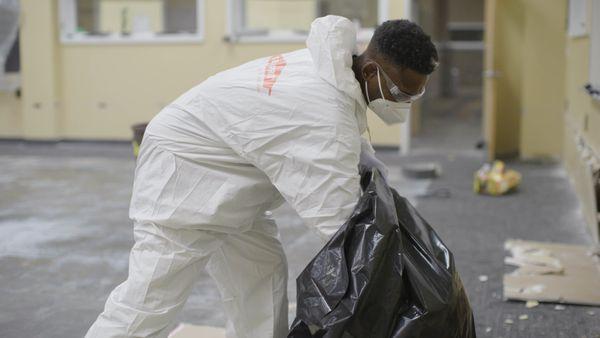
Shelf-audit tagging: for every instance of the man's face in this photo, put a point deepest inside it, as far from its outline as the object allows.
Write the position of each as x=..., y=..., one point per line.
x=410, y=84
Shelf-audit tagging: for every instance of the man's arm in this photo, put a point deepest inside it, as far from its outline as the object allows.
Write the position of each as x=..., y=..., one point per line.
x=312, y=159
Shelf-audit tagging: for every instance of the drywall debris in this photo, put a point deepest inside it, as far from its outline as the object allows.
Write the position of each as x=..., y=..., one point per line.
x=532, y=260
x=552, y=272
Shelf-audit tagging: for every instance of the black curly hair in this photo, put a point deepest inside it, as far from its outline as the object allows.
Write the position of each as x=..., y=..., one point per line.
x=404, y=43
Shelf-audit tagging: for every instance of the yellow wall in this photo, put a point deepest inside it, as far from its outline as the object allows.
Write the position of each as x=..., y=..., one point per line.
x=543, y=96
x=40, y=69
x=528, y=67
x=536, y=103
x=582, y=110
x=578, y=103
x=503, y=88
x=509, y=60
x=10, y=116
x=581, y=128
x=99, y=91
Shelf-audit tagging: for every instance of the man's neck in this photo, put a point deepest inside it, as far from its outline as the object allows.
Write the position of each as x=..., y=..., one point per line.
x=357, y=62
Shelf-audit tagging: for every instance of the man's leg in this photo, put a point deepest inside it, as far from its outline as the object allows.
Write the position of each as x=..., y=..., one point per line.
x=250, y=270
x=163, y=265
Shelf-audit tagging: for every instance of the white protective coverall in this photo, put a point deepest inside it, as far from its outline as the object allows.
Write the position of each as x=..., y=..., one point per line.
x=215, y=160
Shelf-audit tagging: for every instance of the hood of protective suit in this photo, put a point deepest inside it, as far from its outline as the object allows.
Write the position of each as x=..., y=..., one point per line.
x=332, y=42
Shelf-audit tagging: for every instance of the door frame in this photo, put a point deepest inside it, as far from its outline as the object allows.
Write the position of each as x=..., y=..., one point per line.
x=490, y=75
x=406, y=127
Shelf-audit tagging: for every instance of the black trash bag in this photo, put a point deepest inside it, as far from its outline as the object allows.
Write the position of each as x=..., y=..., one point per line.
x=385, y=273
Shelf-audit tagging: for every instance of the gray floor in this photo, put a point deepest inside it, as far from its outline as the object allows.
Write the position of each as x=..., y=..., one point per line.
x=65, y=235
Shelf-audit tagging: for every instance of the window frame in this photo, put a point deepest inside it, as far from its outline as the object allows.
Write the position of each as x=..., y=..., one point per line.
x=235, y=35
x=465, y=45
x=577, y=18
x=594, y=66
x=68, y=22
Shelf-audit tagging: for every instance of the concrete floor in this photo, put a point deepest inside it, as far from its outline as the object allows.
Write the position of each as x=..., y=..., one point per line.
x=66, y=237
x=65, y=234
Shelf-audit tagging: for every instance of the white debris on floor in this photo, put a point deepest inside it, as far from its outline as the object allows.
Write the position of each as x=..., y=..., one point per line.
x=552, y=272
x=194, y=331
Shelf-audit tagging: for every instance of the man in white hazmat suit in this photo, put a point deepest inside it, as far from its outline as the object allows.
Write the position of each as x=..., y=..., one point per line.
x=213, y=163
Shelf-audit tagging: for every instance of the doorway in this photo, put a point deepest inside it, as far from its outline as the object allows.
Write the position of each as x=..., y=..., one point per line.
x=450, y=113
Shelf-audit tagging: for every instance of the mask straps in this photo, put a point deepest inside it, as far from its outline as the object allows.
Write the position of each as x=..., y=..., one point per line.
x=367, y=91
x=368, y=101
x=380, y=90
x=379, y=83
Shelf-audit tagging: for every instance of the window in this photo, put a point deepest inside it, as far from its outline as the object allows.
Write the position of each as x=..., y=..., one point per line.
x=130, y=21
x=289, y=20
x=577, y=15
x=9, y=45
x=465, y=35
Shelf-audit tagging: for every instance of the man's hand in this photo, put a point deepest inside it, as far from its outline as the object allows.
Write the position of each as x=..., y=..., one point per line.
x=368, y=159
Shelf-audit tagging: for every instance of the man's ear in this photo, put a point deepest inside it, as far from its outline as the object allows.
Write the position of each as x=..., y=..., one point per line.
x=369, y=69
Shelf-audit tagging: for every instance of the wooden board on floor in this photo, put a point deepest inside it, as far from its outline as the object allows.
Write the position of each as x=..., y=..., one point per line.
x=551, y=272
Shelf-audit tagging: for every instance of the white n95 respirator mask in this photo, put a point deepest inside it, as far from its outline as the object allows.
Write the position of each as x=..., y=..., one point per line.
x=390, y=112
